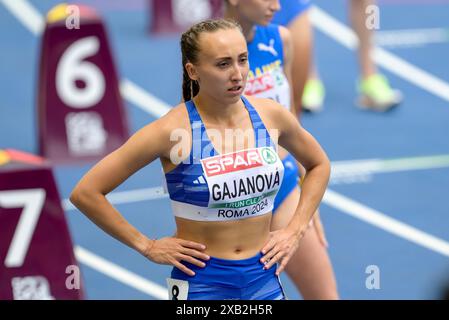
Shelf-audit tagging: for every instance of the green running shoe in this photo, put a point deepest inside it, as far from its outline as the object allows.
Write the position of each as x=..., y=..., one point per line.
x=313, y=96
x=376, y=94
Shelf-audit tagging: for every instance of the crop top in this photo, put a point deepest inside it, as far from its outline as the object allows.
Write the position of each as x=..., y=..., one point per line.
x=208, y=186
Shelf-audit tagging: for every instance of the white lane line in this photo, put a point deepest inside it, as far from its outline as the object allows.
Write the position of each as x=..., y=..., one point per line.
x=384, y=222
x=390, y=165
x=143, y=99
x=353, y=171
x=129, y=196
x=345, y=36
x=407, y=38
x=120, y=274
x=368, y=215
x=341, y=170
x=26, y=14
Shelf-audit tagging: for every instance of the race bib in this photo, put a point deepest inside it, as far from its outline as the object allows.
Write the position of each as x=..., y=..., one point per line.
x=177, y=289
x=270, y=83
x=242, y=184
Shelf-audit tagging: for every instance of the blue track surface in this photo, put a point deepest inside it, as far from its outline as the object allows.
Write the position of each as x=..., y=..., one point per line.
x=419, y=127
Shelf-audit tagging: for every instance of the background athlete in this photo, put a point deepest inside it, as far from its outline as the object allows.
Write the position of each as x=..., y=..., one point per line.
x=375, y=92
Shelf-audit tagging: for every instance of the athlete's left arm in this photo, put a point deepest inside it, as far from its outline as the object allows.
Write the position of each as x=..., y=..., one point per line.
x=287, y=48
x=307, y=151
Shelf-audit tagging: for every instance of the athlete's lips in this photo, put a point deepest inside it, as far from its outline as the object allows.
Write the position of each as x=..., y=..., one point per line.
x=236, y=89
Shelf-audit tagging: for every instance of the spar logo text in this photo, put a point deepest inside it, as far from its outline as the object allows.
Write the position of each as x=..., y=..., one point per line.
x=237, y=161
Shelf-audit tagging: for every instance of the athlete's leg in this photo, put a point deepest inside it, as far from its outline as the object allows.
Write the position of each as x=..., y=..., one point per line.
x=301, y=30
x=376, y=92
x=310, y=267
x=358, y=21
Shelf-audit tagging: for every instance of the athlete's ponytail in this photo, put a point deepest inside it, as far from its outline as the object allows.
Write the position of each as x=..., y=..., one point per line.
x=190, y=49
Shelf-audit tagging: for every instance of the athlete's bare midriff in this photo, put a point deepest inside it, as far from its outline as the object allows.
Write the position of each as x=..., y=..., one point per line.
x=233, y=240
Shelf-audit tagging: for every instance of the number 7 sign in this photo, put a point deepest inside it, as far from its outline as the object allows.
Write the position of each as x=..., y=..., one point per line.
x=31, y=200
x=35, y=244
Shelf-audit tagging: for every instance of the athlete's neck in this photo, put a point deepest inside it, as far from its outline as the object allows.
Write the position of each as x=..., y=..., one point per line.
x=216, y=111
x=247, y=26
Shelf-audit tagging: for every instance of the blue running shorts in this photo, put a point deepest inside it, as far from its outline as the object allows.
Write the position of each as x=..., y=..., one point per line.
x=290, y=181
x=223, y=279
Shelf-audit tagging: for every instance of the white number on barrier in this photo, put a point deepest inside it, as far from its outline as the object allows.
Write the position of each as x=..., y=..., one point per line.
x=185, y=13
x=72, y=67
x=32, y=201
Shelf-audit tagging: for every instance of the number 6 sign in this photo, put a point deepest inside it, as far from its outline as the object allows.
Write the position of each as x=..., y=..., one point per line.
x=80, y=110
x=35, y=244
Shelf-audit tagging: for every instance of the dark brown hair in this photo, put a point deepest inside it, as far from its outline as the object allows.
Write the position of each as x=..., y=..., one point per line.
x=190, y=49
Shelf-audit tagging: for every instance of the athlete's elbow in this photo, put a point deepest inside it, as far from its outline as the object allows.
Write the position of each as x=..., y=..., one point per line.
x=323, y=167
x=80, y=195
x=326, y=168
x=75, y=197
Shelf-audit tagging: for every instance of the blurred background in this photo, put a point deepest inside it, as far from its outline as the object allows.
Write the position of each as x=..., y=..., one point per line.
x=387, y=204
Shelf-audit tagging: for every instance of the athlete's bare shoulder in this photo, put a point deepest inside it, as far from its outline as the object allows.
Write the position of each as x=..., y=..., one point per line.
x=269, y=110
x=176, y=118
x=158, y=134
x=285, y=35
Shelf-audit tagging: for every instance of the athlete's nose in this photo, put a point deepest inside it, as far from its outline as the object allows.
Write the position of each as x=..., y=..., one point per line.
x=236, y=73
x=275, y=6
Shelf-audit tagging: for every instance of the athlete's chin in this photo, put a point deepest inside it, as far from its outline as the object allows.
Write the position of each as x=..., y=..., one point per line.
x=266, y=21
x=233, y=98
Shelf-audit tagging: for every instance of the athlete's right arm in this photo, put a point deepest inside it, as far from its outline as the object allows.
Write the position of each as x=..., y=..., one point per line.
x=89, y=195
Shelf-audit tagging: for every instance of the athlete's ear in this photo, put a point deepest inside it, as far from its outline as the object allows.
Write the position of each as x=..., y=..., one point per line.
x=191, y=70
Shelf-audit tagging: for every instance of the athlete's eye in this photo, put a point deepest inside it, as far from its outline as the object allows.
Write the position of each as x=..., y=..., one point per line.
x=223, y=64
x=243, y=59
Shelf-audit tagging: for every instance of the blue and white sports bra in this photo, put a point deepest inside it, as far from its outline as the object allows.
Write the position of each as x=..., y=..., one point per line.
x=209, y=186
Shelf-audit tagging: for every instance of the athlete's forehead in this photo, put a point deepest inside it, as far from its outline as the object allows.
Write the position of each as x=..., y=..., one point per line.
x=222, y=43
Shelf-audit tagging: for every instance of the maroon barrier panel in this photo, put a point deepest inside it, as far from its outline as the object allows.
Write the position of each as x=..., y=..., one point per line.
x=179, y=15
x=36, y=251
x=80, y=110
